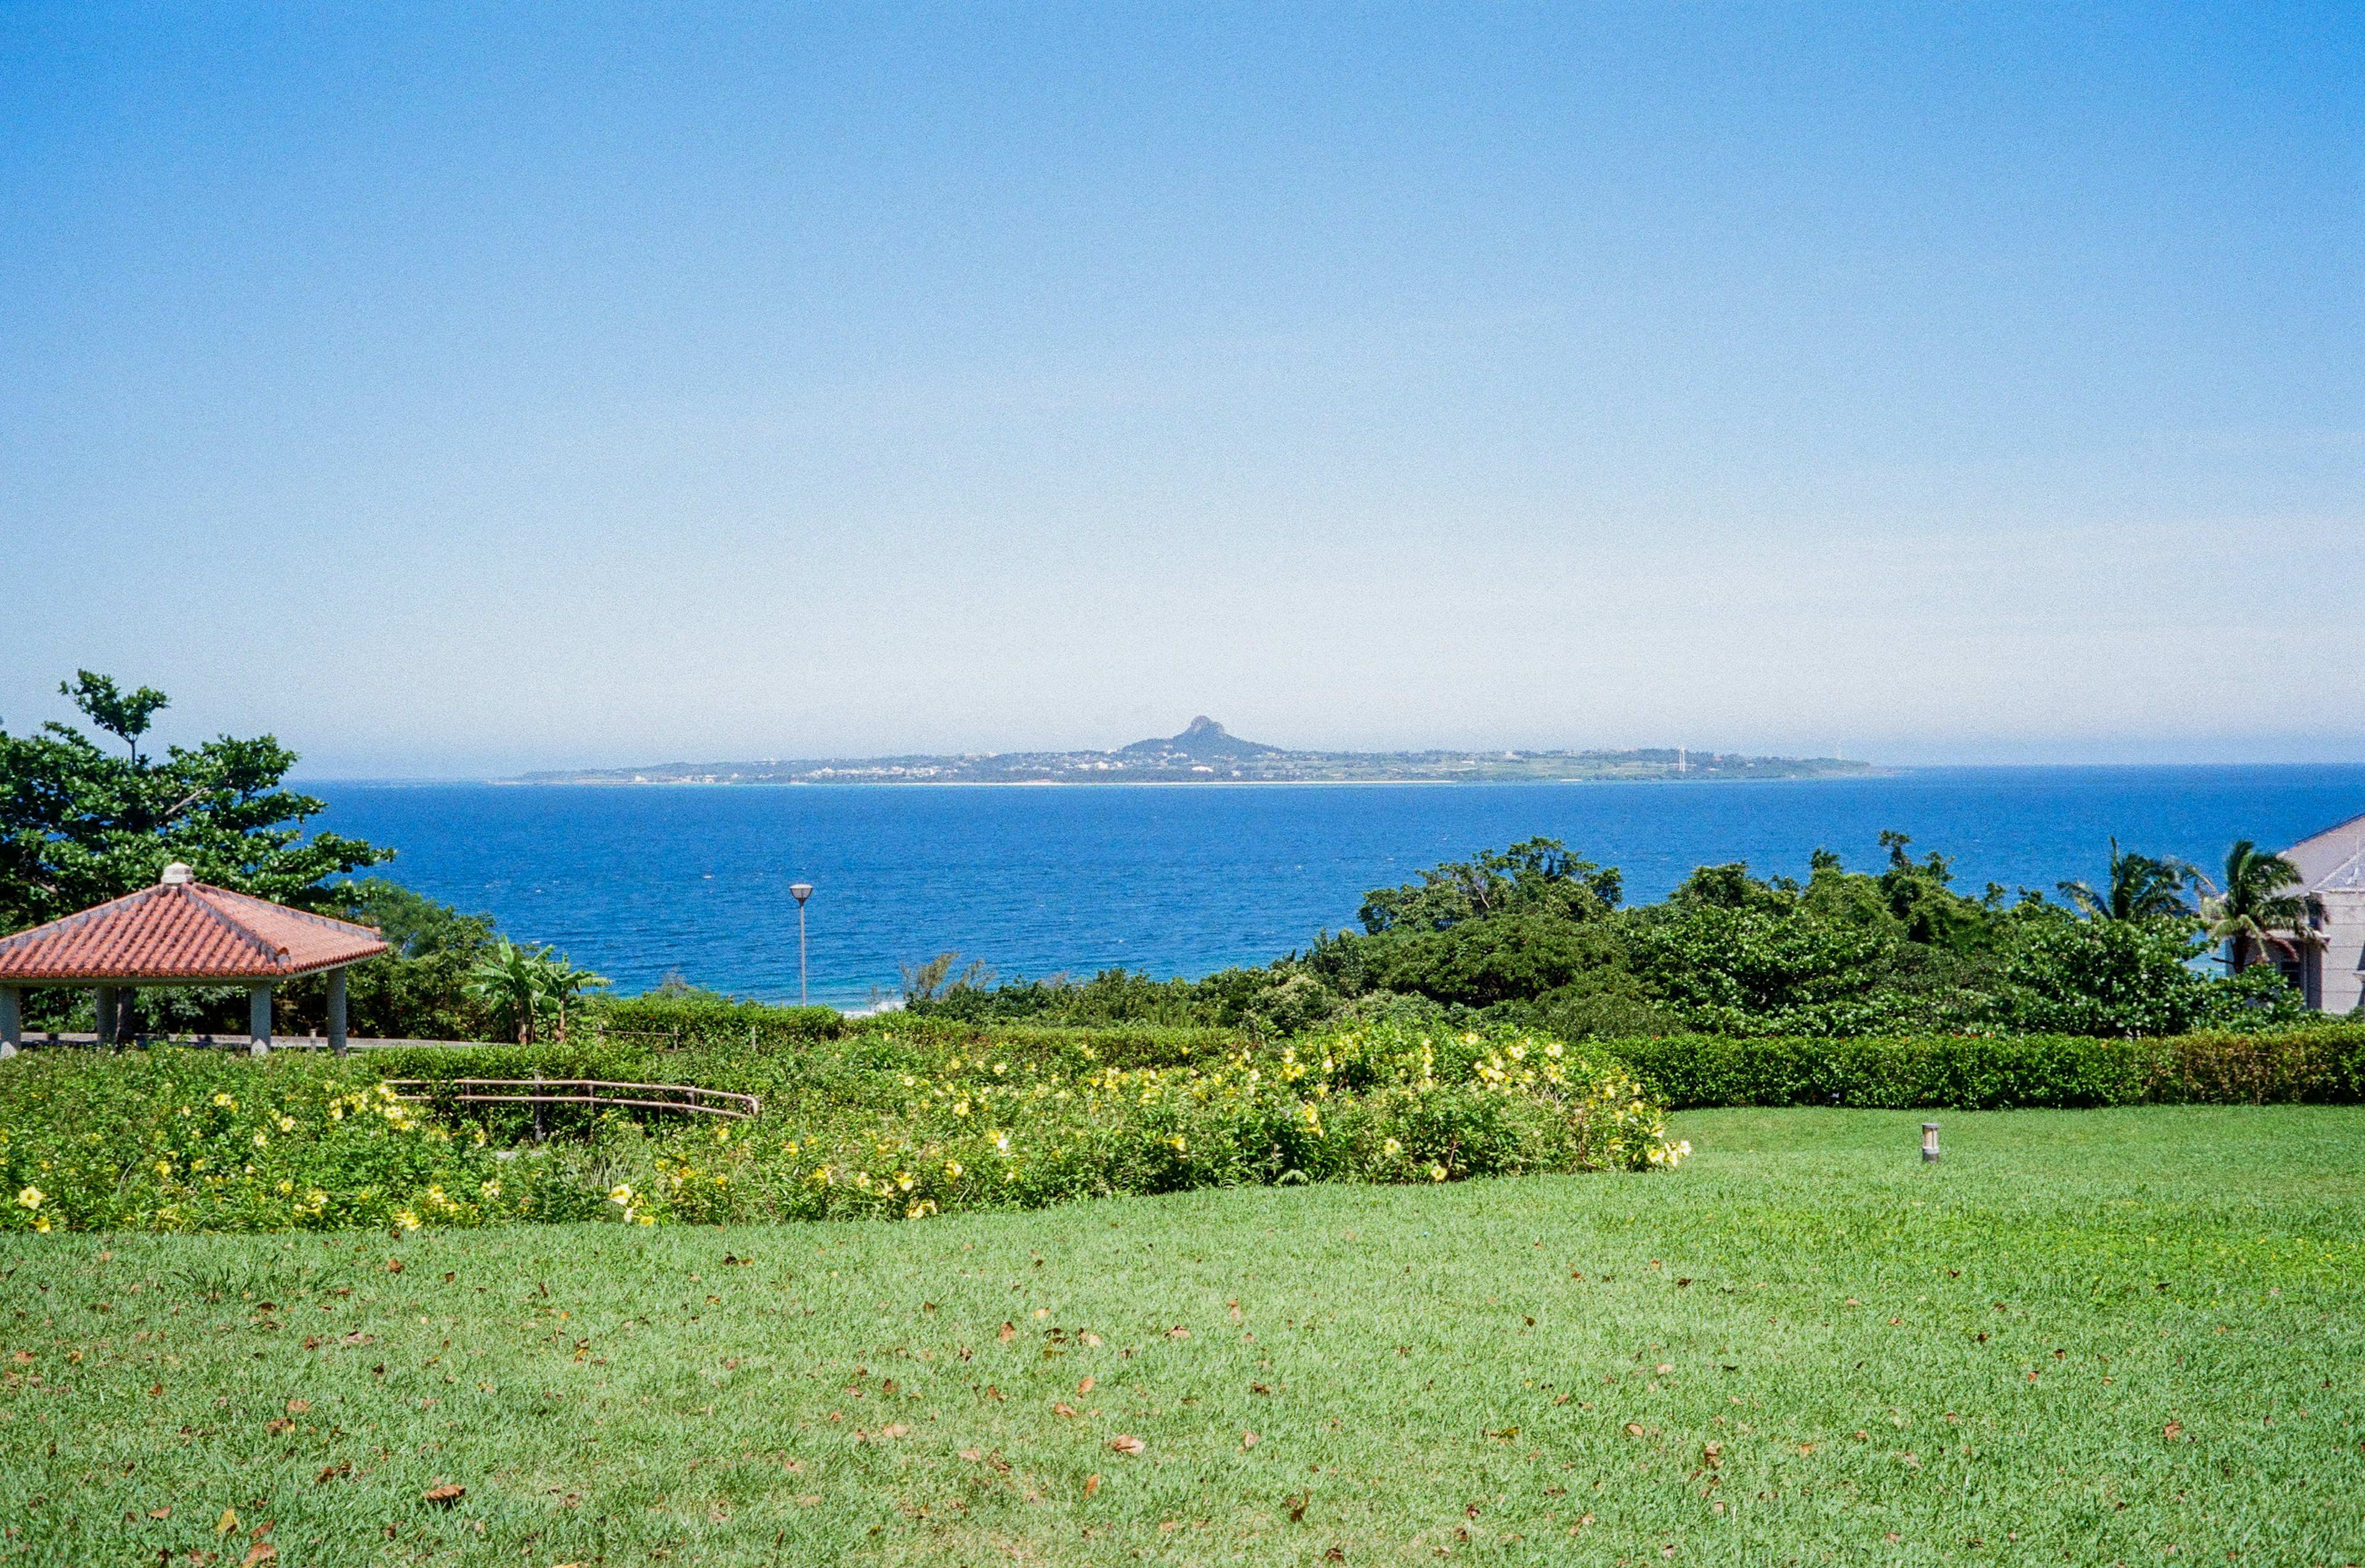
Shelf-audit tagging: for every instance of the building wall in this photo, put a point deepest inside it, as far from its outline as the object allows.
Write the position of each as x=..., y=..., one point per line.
x=2343, y=953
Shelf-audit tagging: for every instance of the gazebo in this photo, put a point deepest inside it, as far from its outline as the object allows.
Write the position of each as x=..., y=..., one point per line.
x=181, y=931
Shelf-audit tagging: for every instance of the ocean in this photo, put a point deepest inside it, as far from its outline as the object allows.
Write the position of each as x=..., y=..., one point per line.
x=639, y=882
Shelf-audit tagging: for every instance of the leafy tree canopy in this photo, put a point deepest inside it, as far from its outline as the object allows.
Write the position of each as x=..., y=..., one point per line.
x=2140, y=888
x=80, y=824
x=2252, y=911
x=1534, y=876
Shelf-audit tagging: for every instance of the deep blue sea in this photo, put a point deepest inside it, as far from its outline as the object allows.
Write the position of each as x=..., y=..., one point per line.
x=638, y=882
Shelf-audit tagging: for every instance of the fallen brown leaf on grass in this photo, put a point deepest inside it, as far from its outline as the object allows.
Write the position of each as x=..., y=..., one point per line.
x=281, y=1424
x=1633, y=1429
x=261, y=1552
x=331, y=1471
x=298, y=1406
x=1063, y=1409
x=1178, y=1332
x=1298, y=1507
x=229, y=1522
x=1092, y=1340
x=444, y=1495
x=164, y=1513
x=1007, y=1332
x=972, y=1455
x=1092, y=1483
x=1248, y=1440
x=2172, y=1430
x=1713, y=1455
x=394, y=1265
x=1087, y=1386
x=1128, y=1445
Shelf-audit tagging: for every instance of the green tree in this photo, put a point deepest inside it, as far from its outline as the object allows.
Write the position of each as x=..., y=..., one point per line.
x=2128, y=977
x=2140, y=889
x=79, y=824
x=2251, y=912
x=509, y=982
x=418, y=992
x=1754, y=968
x=1511, y=958
x=1536, y=875
x=563, y=987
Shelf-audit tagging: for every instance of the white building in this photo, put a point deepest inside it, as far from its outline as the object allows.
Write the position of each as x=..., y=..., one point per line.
x=2331, y=970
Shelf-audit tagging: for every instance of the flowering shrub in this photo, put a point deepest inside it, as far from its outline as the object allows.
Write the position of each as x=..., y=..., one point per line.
x=887, y=1129
x=175, y=1140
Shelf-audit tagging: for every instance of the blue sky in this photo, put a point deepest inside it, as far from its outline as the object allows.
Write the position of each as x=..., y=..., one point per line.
x=455, y=392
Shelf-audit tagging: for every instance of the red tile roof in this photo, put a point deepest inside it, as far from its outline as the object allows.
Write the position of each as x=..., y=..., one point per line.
x=184, y=932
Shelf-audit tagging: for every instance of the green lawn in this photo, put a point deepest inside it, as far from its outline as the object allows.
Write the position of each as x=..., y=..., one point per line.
x=2088, y=1337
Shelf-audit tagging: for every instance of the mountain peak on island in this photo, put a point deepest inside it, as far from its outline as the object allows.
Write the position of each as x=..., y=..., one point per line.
x=1203, y=740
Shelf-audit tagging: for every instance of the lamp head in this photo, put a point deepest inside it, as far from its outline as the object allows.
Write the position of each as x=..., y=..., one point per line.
x=801, y=891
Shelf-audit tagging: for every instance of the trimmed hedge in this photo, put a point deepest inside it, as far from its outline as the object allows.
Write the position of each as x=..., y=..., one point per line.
x=2322, y=1065
x=656, y=1024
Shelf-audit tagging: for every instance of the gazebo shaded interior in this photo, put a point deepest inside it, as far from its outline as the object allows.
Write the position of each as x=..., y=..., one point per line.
x=182, y=933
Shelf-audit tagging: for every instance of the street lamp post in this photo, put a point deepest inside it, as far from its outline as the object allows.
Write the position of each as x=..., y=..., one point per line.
x=801, y=891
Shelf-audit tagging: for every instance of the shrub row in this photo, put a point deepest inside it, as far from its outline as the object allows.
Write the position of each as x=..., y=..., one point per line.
x=2322, y=1065
x=875, y=1124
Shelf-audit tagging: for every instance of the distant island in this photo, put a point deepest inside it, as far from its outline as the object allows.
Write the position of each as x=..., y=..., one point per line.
x=1206, y=752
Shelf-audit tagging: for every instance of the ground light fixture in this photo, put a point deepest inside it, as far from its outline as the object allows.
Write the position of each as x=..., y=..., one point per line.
x=1929, y=1143
x=801, y=891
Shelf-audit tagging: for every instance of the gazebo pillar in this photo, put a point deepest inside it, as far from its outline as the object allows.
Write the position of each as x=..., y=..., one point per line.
x=258, y=1019
x=337, y=1010
x=12, y=1021
x=105, y=1000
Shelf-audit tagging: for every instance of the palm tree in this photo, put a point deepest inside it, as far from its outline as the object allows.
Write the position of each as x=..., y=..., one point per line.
x=2140, y=888
x=509, y=981
x=2252, y=911
x=562, y=984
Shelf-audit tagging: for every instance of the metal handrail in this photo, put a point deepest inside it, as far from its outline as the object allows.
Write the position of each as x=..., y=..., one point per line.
x=581, y=1092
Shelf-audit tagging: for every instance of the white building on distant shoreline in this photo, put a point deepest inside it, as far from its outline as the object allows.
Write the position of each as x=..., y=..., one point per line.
x=2330, y=971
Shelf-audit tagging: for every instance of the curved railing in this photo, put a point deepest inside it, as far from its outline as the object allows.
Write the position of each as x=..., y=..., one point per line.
x=540, y=1091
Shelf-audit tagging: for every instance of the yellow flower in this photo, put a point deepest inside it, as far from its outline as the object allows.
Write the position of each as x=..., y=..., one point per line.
x=286, y=1122
x=722, y=1135
x=620, y=1195
x=285, y=1188
x=953, y=1168
x=260, y=1140
x=1392, y=1148
x=224, y=1100
x=30, y=1198
x=961, y=1109
x=1436, y=1172
x=405, y=1219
